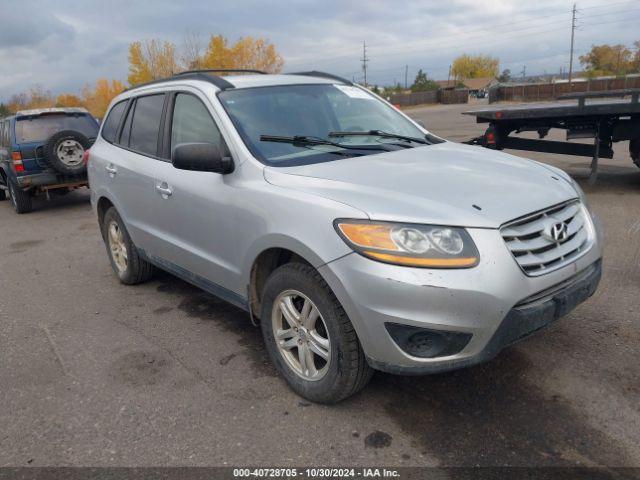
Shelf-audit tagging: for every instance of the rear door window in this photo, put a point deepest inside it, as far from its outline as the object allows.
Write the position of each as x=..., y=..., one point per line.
x=41, y=127
x=110, y=127
x=145, y=126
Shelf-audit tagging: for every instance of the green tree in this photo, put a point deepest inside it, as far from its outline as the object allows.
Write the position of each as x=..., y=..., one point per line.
x=4, y=110
x=505, y=76
x=422, y=83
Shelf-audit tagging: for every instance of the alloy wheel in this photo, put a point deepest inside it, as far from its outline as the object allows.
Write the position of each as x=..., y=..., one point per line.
x=117, y=247
x=301, y=335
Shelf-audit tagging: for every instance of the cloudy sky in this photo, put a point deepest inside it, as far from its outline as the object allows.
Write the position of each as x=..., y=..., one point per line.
x=63, y=44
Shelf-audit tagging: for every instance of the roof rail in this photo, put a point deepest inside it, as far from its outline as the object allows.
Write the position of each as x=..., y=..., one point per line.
x=315, y=73
x=219, y=82
x=223, y=70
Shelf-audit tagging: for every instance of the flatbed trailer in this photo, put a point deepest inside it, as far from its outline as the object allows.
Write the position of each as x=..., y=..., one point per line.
x=605, y=121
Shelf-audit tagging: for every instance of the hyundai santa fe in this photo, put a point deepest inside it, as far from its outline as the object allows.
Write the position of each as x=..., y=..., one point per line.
x=359, y=240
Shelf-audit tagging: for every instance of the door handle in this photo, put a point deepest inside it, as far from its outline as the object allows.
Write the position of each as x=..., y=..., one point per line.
x=164, y=190
x=111, y=170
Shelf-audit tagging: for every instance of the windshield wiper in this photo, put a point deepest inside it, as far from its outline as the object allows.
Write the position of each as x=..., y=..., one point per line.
x=304, y=140
x=379, y=133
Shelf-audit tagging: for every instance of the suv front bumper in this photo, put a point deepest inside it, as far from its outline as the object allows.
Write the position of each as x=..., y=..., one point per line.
x=483, y=309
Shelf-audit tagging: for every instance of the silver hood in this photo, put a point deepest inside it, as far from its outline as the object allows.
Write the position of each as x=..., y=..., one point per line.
x=446, y=183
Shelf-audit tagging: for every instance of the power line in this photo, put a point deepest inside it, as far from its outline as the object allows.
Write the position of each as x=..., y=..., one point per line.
x=470, y=37
x=608, y=5
x=631, y=19
x=604, y=14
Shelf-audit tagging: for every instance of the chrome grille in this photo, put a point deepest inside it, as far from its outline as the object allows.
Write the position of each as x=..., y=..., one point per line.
x=531, y=242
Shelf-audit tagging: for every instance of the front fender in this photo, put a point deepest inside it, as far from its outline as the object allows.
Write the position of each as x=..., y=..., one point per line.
x=277, y=240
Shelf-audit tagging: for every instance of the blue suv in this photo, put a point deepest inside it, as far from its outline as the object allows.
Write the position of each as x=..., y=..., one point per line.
x=43, y=151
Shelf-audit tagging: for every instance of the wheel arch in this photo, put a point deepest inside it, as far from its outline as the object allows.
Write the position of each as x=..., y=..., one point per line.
x=270, y=254
x=103, y=204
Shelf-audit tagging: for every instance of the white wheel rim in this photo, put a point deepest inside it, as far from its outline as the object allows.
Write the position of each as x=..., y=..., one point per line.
x=70, y=152
x=301, y=335
x=117, y=247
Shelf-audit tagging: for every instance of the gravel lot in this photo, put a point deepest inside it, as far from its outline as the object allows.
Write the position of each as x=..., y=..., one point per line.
x=96, y=373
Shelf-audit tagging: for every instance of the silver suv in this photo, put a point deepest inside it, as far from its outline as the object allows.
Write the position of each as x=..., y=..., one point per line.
x=360, y=240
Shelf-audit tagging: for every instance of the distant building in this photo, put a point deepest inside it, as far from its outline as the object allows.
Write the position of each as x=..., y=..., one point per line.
x=446, y=84
x=482, y=83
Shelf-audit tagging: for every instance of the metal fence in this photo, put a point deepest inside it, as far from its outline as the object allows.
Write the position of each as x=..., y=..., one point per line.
x=432, y=96
x=532, y=92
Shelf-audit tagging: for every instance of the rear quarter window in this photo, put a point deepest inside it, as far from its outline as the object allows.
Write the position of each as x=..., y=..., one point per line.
x=110, y=126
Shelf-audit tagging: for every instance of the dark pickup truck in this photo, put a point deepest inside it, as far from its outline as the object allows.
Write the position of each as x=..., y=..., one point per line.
x=42, y=152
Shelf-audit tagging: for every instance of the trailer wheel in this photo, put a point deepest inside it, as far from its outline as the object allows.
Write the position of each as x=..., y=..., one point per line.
x=634, y=150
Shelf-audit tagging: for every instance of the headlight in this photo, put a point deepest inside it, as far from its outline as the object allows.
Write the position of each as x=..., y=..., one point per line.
x=427, y=246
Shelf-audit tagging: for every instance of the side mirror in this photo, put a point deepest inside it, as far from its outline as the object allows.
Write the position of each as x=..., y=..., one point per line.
x=201, y=157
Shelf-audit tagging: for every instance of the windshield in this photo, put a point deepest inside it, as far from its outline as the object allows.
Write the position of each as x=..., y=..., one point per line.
x=39, y=128
x=314, y=111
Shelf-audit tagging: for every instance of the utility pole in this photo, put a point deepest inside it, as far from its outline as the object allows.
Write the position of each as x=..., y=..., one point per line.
x=524, y=72
x=406, y=73
x=364, y=59
x=573, y=30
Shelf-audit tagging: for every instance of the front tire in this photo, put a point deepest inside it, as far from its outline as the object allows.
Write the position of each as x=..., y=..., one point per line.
x=20, y=200
x=123, y=254
x=309, y=337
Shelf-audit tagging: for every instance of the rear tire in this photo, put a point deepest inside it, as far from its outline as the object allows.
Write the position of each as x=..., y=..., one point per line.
x=123, y=254
x=346, y=371
x=20, y=200
x=3, y=195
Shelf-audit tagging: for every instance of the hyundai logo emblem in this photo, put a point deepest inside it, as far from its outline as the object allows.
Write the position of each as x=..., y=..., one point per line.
x=556, y=231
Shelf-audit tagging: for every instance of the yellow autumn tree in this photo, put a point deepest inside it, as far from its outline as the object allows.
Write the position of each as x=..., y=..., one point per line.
x=151, y=60
x=474, y=66
x=246, y=53
x=36, y=97
x=97, y=99
x=17, y=102
x=68, y=100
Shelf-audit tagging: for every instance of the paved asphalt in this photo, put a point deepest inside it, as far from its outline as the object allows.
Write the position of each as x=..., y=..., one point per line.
x=96, y=373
